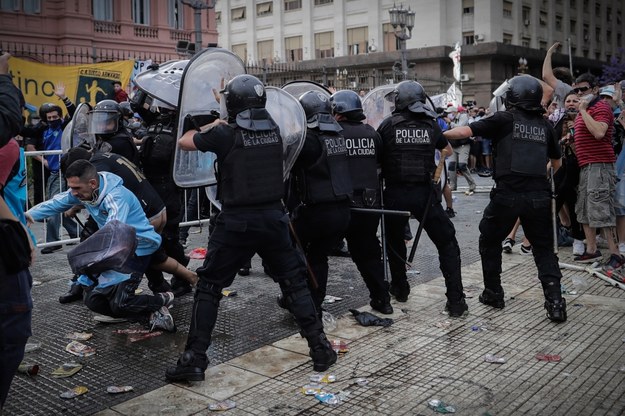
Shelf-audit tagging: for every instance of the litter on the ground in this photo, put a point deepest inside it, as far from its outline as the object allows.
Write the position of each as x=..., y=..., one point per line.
x=490, y=358
x=328, y=398
x=339, y=346
x=311, y=389
x=362, y=381
x=75, y=392
x=131, y=331
x=328, y=320
x=119, y=389
x=443, y=324
x=228, y=293
x=323, y=378
x=138, y=291
x=221, y=406
x=198, y=253
x=441, y=407
x=369, y=319
x=79, y=349
x=331, y=299
x=66, y=370
x=32, y=346
x=139, y=337
x=548, y=357
x=28, y=369
x=79, y=336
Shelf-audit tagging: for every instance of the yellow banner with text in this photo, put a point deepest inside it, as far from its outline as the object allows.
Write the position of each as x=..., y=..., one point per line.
x=86, y=83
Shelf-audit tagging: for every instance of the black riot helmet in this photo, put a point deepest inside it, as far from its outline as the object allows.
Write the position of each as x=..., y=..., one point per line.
x=524, y=92
x=318, y=111
x=347, y=103
x=126, y=109
x=106, y=118
x=46, y=108
x=407, y=93
x=244, y=92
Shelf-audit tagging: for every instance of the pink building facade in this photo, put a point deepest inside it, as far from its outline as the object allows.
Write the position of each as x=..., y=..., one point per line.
x=80, y=31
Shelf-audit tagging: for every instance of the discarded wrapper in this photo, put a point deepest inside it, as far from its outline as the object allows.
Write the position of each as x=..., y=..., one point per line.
x=198, y=253
x=119, y=389
x=339, y=346
x=75, y=392
x=331, y=299
x=323, y=378
x=362, y=381
x=221, y=406
x=79, y=349
x=229, y=293
x=548, y=357
x=131, y=331
x=28, y=369
x=443, y=324
x=32, y=346
x=441, y=407
x=139, y=337
x=311, y=389
x=138, y=291
x=79, y=336
x=66, y=370
x=490, y=358
x=328, y=398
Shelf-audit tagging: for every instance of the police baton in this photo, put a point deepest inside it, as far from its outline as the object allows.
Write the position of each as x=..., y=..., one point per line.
x=435, y=182
x=554, y=223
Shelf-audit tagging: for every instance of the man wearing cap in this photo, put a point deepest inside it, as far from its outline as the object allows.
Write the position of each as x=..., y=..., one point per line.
x=460, y=158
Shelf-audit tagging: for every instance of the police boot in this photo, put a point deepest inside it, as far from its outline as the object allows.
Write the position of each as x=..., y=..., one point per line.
x=73, y=294
x=321, y=352
x=382, y=305
x=556, y=309
x=400, y=291
x=491, y=298
x=190, y=367
x=456, y=309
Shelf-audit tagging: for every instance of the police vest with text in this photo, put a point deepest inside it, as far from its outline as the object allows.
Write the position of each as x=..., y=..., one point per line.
x=360, y=141
x=251, y=173
x=328, y=179
x=523, y=152
x=410, y=154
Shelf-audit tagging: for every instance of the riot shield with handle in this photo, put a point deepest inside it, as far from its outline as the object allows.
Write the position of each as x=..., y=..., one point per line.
x=299, y=87
x=288, y=113
x=199, y=103
x=77, y=130
x=163, y=82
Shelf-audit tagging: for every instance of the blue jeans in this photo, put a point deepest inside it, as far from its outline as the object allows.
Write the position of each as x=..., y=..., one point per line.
x=15, y=320
x=53, y=223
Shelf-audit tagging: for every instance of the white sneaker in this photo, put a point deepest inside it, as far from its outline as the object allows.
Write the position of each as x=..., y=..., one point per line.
x=621, y=248
x=162, y=319
x=579, y=248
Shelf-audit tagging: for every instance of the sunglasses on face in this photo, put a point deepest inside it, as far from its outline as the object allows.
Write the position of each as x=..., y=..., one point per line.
x=580, y=89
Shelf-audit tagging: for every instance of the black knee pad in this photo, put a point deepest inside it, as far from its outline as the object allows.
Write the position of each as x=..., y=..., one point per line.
x=452, y=167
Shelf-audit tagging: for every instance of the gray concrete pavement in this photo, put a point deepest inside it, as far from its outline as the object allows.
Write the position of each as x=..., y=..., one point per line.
x=258, y=361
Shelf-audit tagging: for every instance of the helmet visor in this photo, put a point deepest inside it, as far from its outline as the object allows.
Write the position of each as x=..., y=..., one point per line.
x=103, y=122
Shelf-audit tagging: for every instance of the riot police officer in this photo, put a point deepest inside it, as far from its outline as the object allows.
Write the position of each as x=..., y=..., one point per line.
x=107, y=123
x=250, y=178
x=523, y=142
x=363, y=148
x=410, y=136
x=156, y=154
x=324, y=186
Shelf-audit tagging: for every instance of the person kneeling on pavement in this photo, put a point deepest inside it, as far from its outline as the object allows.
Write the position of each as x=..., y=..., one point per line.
x=106, y=200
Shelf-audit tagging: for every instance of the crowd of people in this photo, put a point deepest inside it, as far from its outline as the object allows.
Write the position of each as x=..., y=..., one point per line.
x=122, y=177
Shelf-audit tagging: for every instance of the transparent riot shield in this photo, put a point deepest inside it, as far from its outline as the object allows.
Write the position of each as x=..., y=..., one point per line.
x=77, y=130
x=375, y=105
x=287, y=112
x=163, y=83
x=297, y=88
x=204, y=77
x=211, y=194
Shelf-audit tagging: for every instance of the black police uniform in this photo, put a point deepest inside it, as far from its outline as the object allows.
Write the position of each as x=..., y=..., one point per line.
x=409, y=141
x=363, y=148
x=252, y=220
x=157, y=152
x=325, y=189
x=523, y=142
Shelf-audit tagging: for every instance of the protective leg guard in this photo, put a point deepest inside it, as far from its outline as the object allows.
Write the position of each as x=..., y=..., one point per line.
x=321, y=352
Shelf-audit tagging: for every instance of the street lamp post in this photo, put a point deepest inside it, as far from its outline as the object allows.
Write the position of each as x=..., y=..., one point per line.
x=198, y=6
x=402, y=21
x=523, y=65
